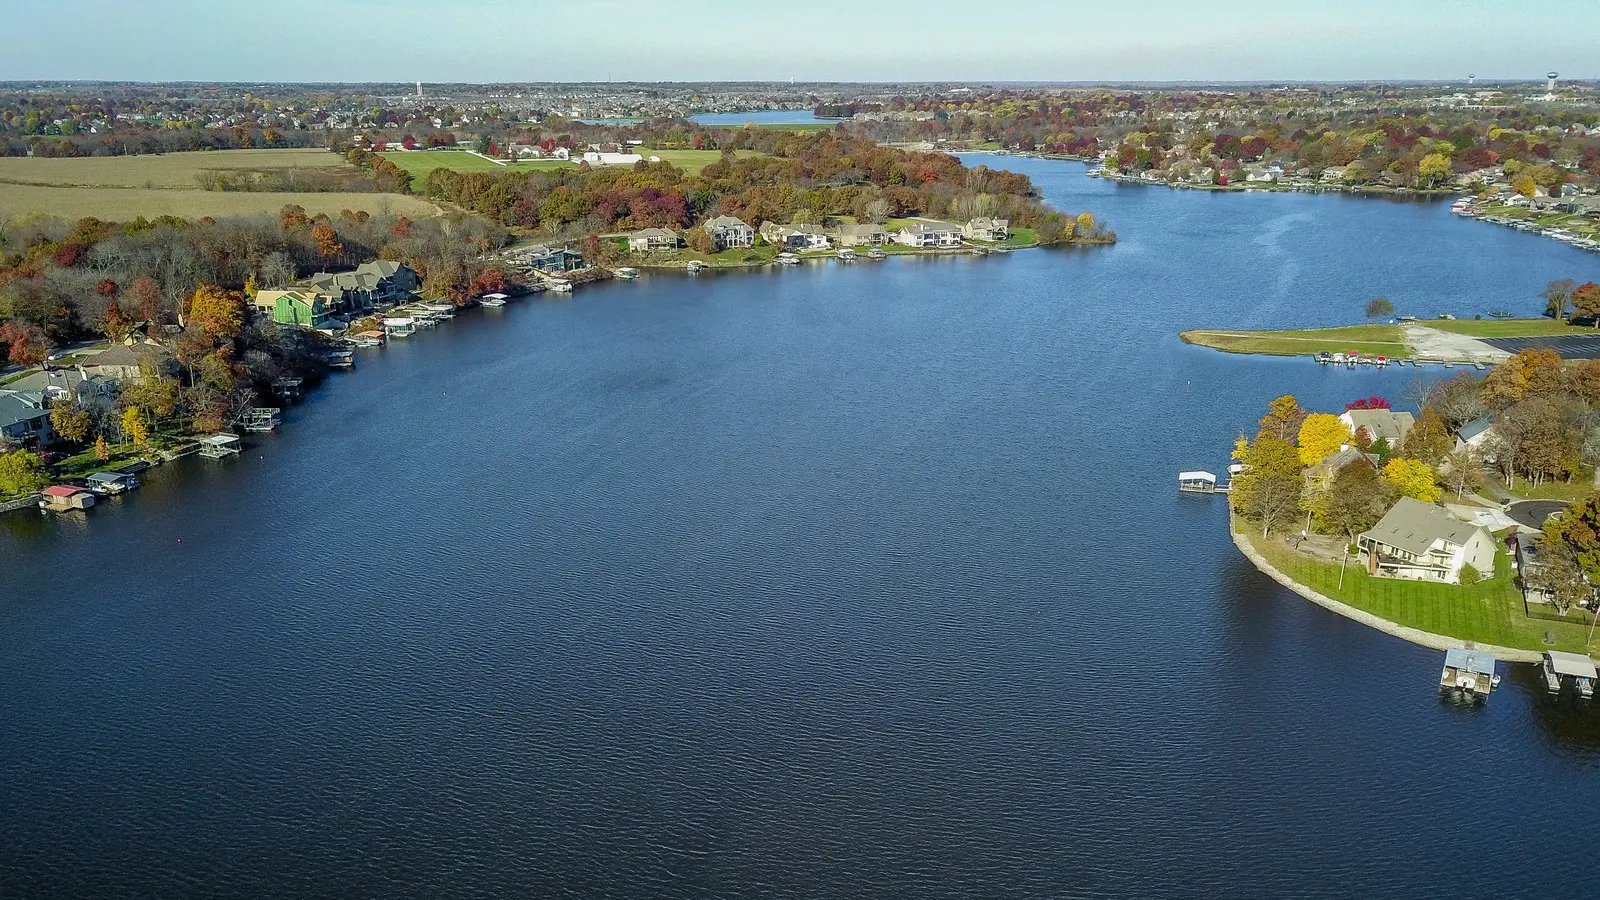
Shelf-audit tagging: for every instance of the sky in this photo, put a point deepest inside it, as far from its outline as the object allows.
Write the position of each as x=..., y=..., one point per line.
x=442, y=41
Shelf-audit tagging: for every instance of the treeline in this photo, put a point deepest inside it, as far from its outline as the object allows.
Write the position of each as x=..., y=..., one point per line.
x=165, y=140
x=59, y=281
x=798, y=178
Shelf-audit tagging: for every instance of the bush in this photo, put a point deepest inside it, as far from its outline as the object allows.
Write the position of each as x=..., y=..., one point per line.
x=1470, y=575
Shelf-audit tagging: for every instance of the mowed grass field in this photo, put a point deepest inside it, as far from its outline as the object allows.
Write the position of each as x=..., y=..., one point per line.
x=169, y=170
x=1377, y=340
x=123, y=204
x=119, y=188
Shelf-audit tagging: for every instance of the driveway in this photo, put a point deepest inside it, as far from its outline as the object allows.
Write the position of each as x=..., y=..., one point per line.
x=1532, y=513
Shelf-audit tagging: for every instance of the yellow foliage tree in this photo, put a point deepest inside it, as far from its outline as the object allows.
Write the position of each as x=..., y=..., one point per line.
x=1434, y=168
x=134, y=427
x=217, y=312
x=1320, y=435
x=1413, y=478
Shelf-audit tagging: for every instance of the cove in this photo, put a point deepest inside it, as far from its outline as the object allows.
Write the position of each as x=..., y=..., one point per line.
x=864, y=580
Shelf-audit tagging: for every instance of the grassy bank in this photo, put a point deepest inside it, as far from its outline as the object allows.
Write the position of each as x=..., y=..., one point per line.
x=1506, y=328
x=1377, y=340
x=1489, y=612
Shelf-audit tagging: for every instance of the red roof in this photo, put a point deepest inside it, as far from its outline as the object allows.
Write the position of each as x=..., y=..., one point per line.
x=62, y=490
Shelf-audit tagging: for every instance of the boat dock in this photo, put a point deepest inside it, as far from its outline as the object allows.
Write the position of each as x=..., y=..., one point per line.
x=1201, y=483
x=217, y=446
x=1469, y=671
x=1559, y=666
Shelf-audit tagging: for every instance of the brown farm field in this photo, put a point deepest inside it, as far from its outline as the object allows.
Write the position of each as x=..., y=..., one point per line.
x=168, y=170
x=118, y=188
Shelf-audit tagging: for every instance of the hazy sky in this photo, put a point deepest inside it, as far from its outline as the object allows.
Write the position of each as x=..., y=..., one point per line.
x=826, y=40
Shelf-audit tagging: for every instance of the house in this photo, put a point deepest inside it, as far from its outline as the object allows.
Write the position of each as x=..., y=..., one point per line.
x=1422, y=542
x=25, y=418
x=396, y=281
x=377, y=283
x=129, y=359
x=1385, y=424
x=928, y=234
x=984, y=228
x=726, y=232
x=1531, y=571
x=1333, y=175
x=304, y=307
x=648, y=239
x=1475, y=434
x=796, y=237
x=88, y=392
x=867, y=235
x=1321, y=475
x=552, y=259
x=602, y=158
x=1203, y=175
x=561, y=153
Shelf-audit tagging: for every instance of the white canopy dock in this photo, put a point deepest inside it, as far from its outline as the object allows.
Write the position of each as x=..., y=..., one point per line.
x=1469, y=670
x=216, y=446
x=1559, y=665
x=1199, y=483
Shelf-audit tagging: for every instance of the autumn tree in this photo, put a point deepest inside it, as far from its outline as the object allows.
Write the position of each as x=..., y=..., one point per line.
x=1571, y=551
x=327, y=243
x=1529, y=373
x=70, y=422
x=21, y=472
x=134, y=427
x=698, y=240
x=145, y=296
x=293, y=216
x=1412, y=478
x=1378, y=307
x=117, y=324
x=1458, y=399
x=489, y=281
x=1354, y=501
x=102, y=450
x=29, y=344
x=1269, y=490
x=217, y=312
x=1429, y=439
x=1321, y=434
x=1283, y=418
x=1586, y=302
x=1462, y=471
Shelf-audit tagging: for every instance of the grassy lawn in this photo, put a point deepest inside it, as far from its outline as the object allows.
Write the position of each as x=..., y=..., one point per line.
x=164, y=170
x=692, y=161
x=1489, y=612
x=86, y=463
x=1555, y=490
x=1376, y=340
x=420, y=163
x=123, y=204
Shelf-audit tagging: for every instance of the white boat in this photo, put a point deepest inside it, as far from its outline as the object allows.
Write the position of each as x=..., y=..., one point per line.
x=492, y=300
x=845, y=254
x=561, y=287
x=876, y=253
x=695, y=266
x=442, y=308
x=788, y=259
x=626, y=273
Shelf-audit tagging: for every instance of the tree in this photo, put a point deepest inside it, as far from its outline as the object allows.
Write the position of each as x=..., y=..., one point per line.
x=1379, y=307
x=102, y=450
x=1560, y=572
x=1412, y=478
x=698, y=240
x=1283, y=418
x=134, y=427
x=1557, y=294
x=1373, y=402
x=217, y=312
x=1529, y=373
x=117, y=324
x=1458, y=399
x=1320, y=435
x=1269, y=490
x=878, y=211
x=1433, y=168
x=145, y=295
x=1586, y=301
x=71, y=422
x=327, y=242
x=21, y=472
x=1354, y=502
x=1462, y=471
x=29, y=343
x=1429, y=439
x=1470, y=574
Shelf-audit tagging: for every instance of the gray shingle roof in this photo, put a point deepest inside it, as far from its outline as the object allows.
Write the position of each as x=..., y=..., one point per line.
x=1413, y=526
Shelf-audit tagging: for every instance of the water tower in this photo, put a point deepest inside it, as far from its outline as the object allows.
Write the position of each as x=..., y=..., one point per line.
x=1550, y=81
x=1471, y=80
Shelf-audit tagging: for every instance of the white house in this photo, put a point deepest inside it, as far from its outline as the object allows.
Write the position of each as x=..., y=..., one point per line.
x=600, y=158
x=1422, y=542
x=1380, y=423
x=928, y=234
x=1475, y=434
x=727, y=231
x=796, y=237
x=648, y=239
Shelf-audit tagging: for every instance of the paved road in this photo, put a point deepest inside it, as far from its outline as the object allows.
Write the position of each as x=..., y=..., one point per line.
x=1532, y=513
x=1570, y=346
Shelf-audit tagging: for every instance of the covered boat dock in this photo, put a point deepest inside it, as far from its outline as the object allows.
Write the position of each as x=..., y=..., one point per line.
x=1559, y=666
x=1468, y=670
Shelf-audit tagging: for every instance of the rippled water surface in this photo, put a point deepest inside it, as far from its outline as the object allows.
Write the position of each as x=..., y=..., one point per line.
x=846, y=581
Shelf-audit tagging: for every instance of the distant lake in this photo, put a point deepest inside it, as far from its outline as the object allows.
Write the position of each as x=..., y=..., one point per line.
x=736, y=119
x=864, y=580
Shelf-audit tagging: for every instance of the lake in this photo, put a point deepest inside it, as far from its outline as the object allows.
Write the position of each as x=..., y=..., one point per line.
x=859, y=580
x=761, y=117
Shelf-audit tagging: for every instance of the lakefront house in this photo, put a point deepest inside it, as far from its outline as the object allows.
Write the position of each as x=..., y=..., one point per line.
x=1423, y=542
x=984, y=228
x=727, y=232
x=647, y=239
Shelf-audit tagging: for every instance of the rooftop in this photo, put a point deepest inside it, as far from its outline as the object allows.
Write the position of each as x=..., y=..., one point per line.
x=1414, y=526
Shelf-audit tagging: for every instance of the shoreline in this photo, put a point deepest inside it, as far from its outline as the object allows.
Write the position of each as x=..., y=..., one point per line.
x=1404, y=632
x=1273, y=187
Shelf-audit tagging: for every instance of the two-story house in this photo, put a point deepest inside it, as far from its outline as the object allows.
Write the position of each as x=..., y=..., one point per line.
x=25, y=419
x=727, y=232
x=1422, y=542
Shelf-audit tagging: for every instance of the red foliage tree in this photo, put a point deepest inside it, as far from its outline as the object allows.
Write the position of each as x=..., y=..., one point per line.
x=67, y=256
x=1373, y=402
x=489, y=281
x=29, y=344
x=408, y=142
x=106, y=288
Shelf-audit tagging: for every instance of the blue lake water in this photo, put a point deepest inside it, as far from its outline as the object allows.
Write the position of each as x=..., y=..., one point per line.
x=760, y=117
x=843, y=580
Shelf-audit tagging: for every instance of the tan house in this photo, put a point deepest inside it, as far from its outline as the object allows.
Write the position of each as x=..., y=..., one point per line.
x=984, y=228
x=647, y=239
x=1422, y=542
x=127, y=359
x=864, y=235
x=1380, y=423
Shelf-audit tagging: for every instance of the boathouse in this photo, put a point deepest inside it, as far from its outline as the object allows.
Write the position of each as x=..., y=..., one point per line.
x=1560, y=665
x=63, y=497
x=1197, y=482
x=1468, y=670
